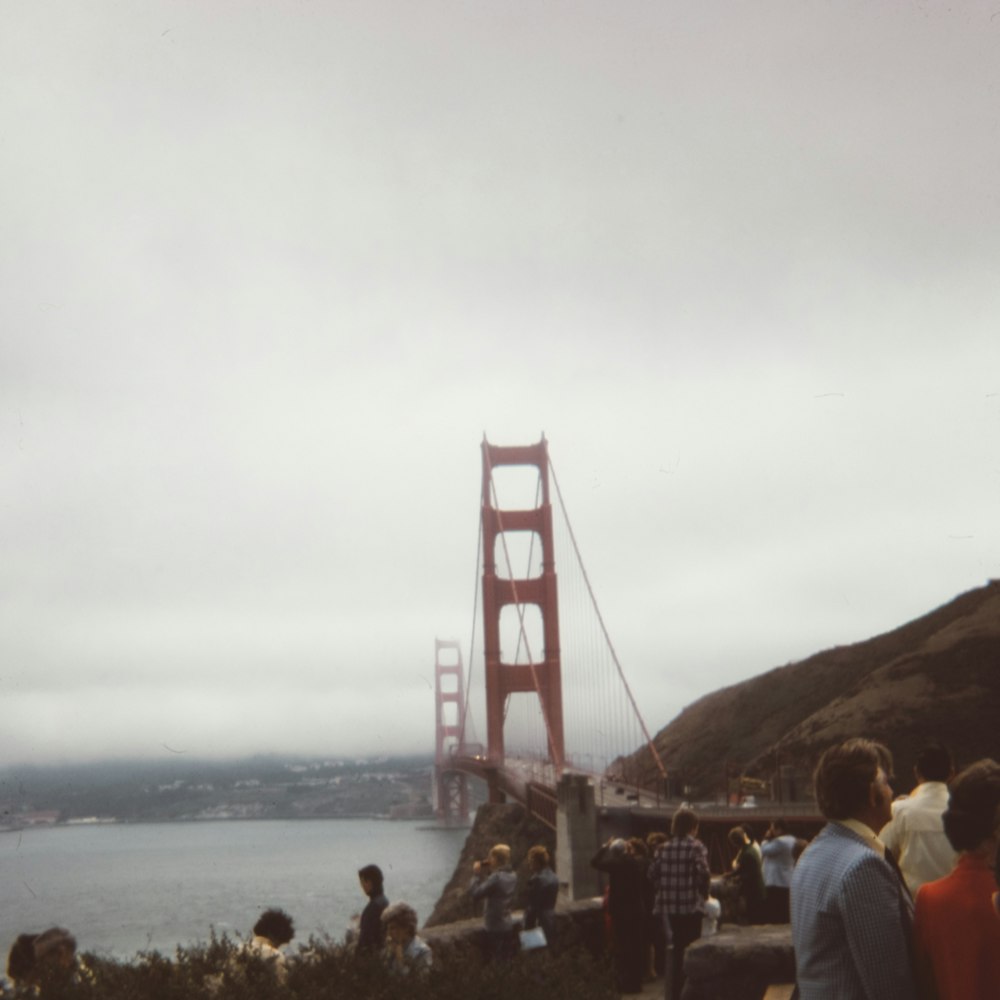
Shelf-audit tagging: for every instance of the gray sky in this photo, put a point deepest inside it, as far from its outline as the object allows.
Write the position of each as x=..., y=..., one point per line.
x=270, y=271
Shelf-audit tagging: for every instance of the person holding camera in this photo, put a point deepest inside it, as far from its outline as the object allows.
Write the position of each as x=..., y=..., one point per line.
x=494, y=881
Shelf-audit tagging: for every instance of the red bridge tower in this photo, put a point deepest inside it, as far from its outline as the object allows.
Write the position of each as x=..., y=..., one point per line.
x=450, y=786
x=542, y=675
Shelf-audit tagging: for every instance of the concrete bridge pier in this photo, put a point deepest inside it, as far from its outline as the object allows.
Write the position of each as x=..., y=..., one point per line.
x=576, y=837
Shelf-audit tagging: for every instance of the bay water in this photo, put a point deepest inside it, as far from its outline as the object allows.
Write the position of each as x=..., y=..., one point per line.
x=122, y=888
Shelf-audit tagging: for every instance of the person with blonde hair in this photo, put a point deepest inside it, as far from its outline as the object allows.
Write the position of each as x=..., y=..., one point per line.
x=956, y=932
x=494, y=881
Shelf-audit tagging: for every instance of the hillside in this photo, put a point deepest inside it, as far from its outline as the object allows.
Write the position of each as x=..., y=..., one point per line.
x=935, y=677
x=157, y=791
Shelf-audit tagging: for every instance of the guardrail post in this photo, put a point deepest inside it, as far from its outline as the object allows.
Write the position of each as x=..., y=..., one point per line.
x=576, y=837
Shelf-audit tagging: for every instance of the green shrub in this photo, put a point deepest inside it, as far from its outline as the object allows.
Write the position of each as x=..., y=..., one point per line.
x=220, y=970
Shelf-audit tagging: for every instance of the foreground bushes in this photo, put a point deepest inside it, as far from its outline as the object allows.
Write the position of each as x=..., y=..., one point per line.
x=323, y=971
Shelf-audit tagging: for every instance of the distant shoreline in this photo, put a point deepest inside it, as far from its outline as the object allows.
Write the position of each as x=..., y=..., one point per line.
x=111, y=821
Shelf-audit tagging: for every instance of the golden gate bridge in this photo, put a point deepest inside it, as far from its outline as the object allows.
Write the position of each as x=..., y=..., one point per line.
x=550, y=701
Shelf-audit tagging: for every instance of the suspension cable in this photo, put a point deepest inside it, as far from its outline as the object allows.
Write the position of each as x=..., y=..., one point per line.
x=472, y=632
x=600, y=619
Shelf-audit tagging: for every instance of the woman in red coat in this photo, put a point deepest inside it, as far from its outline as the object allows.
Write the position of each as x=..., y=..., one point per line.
x=956, y=930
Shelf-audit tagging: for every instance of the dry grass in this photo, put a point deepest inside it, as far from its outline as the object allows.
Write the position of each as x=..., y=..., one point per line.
x=936, y=677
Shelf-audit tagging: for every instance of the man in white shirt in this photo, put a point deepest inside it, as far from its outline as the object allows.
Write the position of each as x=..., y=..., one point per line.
x=916, y=833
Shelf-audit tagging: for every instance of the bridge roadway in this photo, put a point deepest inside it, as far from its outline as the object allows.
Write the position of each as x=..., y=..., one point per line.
x=629, y=811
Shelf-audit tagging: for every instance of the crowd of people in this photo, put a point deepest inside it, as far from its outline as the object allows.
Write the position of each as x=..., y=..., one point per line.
x=494, y=883
x=896, y=898
x=657, y=896
x=659, y=889
x=385, y=932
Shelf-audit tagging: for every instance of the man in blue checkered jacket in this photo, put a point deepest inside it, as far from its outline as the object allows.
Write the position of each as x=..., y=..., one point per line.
x=852, y=915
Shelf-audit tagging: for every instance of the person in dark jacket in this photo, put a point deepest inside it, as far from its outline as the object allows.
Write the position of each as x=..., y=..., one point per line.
x=371, y=936
x=543, y=890
x=626, y=878
x=656, y=923
x=746, y=873
x=495, y=882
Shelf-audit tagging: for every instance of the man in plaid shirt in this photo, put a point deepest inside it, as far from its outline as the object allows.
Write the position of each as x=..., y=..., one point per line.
x=681, y=876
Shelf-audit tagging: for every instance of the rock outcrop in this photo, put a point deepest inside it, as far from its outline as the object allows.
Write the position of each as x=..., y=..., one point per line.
x=739, y=963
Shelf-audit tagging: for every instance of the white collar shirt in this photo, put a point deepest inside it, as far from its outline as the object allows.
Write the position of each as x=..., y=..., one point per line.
x=916, y=835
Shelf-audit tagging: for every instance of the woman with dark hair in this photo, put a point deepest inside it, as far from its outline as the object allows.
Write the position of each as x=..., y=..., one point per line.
x=371, y=935
x=956, y=932
x=273, y=930
x=543, y=891
x=46, y=958
x=21, y=959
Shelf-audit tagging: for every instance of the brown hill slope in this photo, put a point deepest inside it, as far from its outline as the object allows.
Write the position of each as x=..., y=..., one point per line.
x=937, y=677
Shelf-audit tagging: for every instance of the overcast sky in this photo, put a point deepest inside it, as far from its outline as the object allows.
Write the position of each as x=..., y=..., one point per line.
x=270, y=271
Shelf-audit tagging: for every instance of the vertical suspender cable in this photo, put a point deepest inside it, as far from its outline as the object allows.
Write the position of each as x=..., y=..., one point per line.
x=607, y=637
x=472, y=634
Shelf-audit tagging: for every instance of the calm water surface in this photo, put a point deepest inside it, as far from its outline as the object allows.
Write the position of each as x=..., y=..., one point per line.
x=124, y=888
